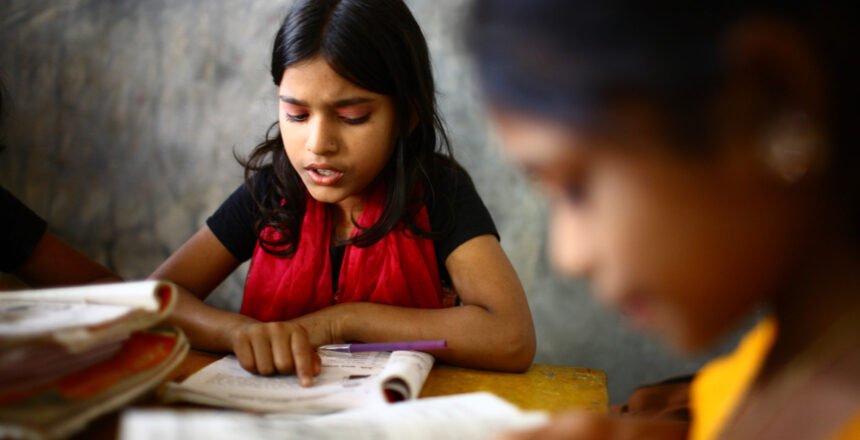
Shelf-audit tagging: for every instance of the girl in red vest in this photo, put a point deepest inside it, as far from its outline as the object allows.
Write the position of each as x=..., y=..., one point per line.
x=358, y=223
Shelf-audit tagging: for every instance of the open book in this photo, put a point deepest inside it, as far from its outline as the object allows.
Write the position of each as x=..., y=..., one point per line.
x=66, y=404
x=476, y=416
x=346, y=380
x=68, y=355
x=79, y=318
x=57, y=331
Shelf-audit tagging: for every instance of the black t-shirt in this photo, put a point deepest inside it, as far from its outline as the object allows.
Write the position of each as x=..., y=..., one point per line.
x=454, y=207
x=20, y=231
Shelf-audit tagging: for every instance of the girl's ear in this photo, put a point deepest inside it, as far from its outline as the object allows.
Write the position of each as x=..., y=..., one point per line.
x=774, y=97
x=776, y=61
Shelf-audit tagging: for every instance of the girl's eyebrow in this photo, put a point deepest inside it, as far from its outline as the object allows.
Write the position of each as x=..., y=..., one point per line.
x=351, y=101
x=346, y=102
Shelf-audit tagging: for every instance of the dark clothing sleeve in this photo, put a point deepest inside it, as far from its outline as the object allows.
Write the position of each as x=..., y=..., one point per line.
x=234, y=221
x=20, y=231
x=456, y=213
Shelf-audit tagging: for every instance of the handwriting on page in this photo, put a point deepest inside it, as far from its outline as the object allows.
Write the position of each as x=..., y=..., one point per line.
x=223, y=380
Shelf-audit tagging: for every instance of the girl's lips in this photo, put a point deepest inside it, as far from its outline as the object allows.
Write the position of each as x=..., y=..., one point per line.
x=323, y=175
x=635, y=307
x=638, y=313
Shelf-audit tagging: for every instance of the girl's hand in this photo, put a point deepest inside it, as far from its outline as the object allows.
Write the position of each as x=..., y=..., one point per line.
x=268, y=348
x=572, y=425
x=669, y=401
x=324, y=326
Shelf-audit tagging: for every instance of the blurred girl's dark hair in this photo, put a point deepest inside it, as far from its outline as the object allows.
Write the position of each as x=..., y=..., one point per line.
x=377, y=45
x=2, y=99
x=567, y=59
x=3, y=107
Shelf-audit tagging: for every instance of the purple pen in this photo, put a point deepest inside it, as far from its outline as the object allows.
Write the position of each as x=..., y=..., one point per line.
x=435, y=344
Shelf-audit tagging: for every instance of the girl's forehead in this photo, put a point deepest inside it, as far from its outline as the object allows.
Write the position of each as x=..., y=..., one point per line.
x=535, y=142
x=314, y=82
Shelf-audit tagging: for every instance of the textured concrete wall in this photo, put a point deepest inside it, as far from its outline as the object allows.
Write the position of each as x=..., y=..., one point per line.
x=126, y=115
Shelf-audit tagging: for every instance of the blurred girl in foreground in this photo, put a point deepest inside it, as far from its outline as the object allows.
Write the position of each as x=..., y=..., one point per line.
x=701, y=163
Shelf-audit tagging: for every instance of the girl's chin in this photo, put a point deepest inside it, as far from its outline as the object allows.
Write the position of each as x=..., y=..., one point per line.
x=327, y=195
x=686, y=342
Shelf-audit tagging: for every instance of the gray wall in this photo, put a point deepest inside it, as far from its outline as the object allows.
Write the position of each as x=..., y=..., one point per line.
x=126, y=115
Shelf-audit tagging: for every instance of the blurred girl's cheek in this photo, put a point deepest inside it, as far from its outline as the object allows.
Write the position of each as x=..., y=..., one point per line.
x=570, y=242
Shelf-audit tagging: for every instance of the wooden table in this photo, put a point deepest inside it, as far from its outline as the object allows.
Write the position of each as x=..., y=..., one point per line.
x=542, y=387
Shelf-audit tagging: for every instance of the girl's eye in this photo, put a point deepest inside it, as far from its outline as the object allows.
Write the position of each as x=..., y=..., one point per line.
x=356, y=121
x=297, y=118
x=575, y=193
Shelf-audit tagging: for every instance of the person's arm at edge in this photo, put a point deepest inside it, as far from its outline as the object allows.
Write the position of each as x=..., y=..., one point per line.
x=55, y=263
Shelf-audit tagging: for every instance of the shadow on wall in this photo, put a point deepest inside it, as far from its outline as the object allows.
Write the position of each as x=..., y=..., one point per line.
x=126, y=115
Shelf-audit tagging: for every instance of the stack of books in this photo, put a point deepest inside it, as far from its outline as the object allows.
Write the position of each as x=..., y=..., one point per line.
x=68, y=355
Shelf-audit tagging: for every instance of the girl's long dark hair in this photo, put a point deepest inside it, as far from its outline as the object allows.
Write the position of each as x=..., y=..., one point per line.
x=560, y=58
x=377, y=45
x=2, y=110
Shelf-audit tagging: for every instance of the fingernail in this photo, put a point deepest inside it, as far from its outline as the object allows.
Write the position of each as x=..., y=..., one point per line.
x=306, y=381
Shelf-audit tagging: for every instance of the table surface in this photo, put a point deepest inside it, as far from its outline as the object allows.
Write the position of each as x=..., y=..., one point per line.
x=542, y=387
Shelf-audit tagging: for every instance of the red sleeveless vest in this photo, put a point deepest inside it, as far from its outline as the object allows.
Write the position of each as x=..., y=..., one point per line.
x=399, y=269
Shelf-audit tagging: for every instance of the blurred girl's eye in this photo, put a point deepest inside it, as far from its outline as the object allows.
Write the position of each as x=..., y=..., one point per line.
x=575, y=189
x=575, y=193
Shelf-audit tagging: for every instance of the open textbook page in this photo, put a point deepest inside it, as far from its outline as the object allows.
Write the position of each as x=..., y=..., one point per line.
x=346, y=380
x=475, y=416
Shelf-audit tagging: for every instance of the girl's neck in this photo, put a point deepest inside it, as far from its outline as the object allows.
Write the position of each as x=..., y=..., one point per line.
x=809, y=379
x=826, y=288
x=345, y=213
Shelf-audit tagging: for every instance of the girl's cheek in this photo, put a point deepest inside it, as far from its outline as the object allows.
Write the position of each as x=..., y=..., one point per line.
x=570, y=242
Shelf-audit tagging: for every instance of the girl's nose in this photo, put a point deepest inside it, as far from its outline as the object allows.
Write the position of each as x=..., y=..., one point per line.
x=321, y=141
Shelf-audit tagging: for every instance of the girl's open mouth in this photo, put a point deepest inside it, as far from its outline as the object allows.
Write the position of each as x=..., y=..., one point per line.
x=324, y=175
x=637, y=311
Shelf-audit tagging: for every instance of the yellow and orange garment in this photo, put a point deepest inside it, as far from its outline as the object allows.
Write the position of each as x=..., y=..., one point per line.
x=720, y=385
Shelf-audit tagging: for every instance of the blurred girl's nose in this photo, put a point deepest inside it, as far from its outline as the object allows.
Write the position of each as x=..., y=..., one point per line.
x=571, y=247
